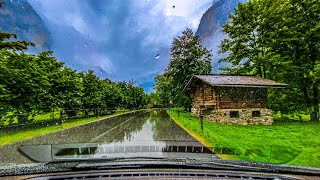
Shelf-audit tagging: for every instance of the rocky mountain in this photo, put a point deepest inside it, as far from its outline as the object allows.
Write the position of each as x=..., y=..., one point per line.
x=18, y=17
x=210, y=27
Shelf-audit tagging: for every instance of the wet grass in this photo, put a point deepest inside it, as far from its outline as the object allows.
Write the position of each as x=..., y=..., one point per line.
x=8, y=137
x=289, y=142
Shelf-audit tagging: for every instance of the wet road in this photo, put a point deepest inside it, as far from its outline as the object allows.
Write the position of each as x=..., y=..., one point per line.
x=147, y=129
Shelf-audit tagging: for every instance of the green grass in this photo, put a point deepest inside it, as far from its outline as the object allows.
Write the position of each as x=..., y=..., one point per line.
x=295, y=117
x=41, y=117
x=293, y=142
x=19, y=135
x=7, y=138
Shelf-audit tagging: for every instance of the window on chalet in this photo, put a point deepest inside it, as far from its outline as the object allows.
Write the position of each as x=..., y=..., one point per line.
x=211, y=107
x=234, y=114
x=256, y=114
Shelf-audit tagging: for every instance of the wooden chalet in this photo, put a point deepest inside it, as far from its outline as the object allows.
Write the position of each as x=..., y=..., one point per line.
x=231, y=99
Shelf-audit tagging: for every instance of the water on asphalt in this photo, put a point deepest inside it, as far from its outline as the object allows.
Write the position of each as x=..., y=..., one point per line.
x=149, y=133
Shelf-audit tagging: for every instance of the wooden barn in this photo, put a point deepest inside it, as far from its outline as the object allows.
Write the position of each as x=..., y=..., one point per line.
x=231, y=99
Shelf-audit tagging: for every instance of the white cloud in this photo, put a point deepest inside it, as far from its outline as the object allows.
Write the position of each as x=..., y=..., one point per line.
x=102, y=61
x=125, y=35
x=94, y=60
x=74, y=14
x=190, y=10
x=77, y=23
x=162, y=20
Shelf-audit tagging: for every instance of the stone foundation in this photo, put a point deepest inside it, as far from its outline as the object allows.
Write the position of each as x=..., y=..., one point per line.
x=195, y=111
x=222, y=116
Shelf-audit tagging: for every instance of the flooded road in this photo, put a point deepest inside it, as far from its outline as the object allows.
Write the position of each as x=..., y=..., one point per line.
x=152, y=131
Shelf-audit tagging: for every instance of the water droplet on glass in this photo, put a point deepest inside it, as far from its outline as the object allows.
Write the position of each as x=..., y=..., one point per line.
x=157, y=56
x=85, y=44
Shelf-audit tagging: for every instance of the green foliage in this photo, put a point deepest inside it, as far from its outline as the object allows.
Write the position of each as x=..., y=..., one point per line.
x=279, y=40
x=92, y=97
x=188, y=57
x=163, y=87
x=154, y=99
x=133, y=97
x=14, y=45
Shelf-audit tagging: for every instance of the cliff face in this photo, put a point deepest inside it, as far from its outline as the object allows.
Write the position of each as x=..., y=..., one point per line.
x=18, y=17
x=210, y=27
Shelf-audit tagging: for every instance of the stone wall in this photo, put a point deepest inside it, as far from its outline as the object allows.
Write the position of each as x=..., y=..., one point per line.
x=222, y=116
x=195, y=111
x=245, y=116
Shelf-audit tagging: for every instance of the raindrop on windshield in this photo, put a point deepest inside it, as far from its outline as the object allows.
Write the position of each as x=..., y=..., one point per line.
x=157, y=56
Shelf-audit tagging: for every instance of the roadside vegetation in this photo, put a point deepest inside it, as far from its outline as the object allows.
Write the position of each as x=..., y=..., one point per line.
x=293, y=142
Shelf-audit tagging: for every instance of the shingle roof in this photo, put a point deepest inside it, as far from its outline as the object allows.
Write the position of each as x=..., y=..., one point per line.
x=235, y=81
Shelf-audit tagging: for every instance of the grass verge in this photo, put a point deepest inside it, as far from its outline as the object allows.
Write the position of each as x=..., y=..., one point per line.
x=19, y=135
x=296, y=143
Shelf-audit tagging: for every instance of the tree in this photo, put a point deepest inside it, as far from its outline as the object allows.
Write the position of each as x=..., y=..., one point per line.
x=112, y=95
x=92, y=92
x=246, y=44
x=297, y=41
x=8, y=93
x=14, y=45
x=68, y=91
x=26, y=82
x=133, y=97
x=163, y=87
x=188, y=57
x=155, y=99
x=278, y=39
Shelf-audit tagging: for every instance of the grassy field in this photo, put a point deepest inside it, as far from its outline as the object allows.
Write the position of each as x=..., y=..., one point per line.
x=295, y=117
x=14, y=136
x=293, y=142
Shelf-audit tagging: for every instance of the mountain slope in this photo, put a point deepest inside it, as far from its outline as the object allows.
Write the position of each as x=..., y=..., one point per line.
x=18, y=17
x=210, y=27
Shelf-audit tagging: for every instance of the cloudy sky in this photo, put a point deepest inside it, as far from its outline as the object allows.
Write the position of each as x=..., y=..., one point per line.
x=118, y=39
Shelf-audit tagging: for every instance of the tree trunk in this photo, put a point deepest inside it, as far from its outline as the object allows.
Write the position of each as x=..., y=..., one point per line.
x=259, y=70
x=308, y=101
x=315, y=87
x=264, y=71
x=315, y=113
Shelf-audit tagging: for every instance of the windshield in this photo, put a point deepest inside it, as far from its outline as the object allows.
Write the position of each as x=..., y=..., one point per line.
x=234, y=80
